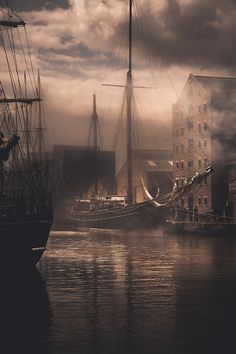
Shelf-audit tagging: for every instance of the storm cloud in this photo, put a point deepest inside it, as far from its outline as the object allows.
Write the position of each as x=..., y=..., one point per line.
x=197, y=32
x=79, y=44
x=29, y=5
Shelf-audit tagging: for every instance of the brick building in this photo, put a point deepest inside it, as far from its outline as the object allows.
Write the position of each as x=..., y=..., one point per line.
x=204, y=133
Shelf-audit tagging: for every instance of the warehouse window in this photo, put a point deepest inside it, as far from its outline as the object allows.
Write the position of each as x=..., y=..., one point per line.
x=190, y=163
x=199, y=200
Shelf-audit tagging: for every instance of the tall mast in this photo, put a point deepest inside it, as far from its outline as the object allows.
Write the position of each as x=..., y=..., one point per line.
x=27, y=128
x=129, y=97
x=40, y=129
x=95, y=144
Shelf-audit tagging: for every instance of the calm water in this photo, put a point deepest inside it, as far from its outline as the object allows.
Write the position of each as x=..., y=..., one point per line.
x=111, y=292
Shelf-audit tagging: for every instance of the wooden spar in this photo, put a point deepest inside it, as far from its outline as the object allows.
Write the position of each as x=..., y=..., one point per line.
x=12, y=23
x=40, y=130
x=27, y=127
x=139, y=87
x=95, y=144
x=20, y=100
x=129, y=98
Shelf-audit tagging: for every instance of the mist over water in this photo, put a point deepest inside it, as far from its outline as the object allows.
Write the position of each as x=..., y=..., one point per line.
x=117, y=292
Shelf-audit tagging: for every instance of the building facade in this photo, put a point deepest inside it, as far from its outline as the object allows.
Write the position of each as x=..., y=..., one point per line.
x=203, y=135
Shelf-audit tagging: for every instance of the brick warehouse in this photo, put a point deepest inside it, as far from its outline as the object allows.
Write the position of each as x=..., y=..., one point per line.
x=204, y=133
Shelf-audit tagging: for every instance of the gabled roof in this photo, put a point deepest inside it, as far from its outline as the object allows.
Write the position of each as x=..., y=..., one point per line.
x=215, y=83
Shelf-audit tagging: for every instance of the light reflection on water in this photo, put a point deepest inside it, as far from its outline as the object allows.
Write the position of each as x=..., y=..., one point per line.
x=140, y=292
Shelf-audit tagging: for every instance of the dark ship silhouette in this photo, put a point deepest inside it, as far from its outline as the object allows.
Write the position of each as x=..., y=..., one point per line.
x=25, y=199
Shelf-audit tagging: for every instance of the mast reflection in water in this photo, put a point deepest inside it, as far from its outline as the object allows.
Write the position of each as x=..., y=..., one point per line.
x=113, y=292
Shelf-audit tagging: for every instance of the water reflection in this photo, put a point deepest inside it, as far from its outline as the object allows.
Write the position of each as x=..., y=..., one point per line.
x=25, y=314
x=113, y=292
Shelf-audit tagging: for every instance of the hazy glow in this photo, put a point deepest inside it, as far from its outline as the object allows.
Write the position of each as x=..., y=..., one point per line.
x=72, y=48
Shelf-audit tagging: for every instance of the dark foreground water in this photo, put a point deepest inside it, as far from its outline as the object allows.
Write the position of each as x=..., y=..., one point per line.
x=114, y=292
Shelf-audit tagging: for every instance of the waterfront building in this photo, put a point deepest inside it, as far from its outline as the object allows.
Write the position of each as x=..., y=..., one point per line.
x=204, y=133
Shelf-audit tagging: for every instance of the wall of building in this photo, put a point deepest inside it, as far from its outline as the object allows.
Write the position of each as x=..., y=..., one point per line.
x=204, y=133
x=192, y=141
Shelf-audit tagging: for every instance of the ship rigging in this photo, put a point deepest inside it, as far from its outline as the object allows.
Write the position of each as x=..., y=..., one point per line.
x=113, y=211
x=25, y=197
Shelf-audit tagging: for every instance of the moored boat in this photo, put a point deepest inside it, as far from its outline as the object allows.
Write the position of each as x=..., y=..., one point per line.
x=25, y=197
x=111, y=211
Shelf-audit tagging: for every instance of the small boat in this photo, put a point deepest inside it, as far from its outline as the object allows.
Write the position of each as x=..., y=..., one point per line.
x=25, y=198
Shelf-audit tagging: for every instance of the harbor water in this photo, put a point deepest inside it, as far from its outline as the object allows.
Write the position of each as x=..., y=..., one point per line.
x=105, y=292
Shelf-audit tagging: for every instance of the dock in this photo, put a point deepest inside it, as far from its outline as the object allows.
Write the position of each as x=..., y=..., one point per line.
x=191, y=227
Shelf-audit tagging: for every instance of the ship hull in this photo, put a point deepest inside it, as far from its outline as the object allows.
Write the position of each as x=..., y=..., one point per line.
x=23, y=242
x=137, y=216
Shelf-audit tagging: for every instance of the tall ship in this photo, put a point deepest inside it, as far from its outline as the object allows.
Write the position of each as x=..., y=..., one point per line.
x=25, y=199
x=114, y=211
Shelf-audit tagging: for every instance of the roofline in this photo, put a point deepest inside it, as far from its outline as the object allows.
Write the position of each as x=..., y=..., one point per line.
x=181, y=93
x=214, y=77
x=191, y=75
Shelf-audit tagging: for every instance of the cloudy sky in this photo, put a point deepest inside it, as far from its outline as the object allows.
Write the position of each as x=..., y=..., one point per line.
x=80, y=44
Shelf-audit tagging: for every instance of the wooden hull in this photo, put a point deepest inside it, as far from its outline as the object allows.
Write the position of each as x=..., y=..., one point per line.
x=24, y=241
x=143, y=215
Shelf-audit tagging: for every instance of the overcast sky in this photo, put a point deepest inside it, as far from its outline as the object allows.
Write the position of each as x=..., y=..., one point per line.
x=79, y=44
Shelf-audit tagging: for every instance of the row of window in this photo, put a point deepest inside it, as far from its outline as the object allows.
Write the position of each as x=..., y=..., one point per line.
x=179, y=148
x=180, y=182
x=202, y=108
x=202, y=200
x=179, y=164
x=190, y=163
x=200, y=127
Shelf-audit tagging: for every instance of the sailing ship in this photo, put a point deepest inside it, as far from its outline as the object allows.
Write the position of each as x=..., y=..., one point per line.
x=99, y=211
x=25, y=198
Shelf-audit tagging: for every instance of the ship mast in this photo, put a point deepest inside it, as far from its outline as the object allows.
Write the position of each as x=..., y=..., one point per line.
x=40, y=128
x=129, y=98
x=95, y=144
